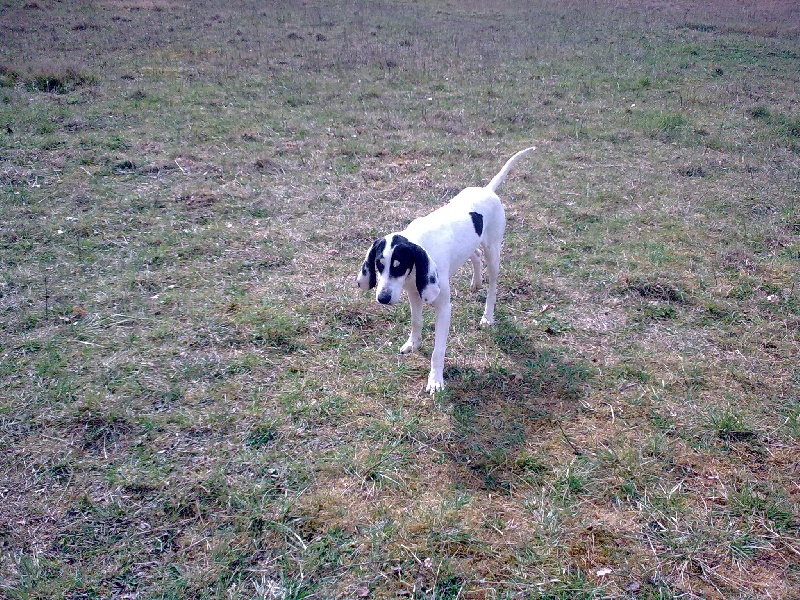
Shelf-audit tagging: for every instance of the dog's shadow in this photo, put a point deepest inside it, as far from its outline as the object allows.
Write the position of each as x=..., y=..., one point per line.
x=497, y=410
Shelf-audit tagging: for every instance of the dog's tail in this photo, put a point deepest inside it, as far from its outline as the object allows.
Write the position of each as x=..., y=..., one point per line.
x=500, y=177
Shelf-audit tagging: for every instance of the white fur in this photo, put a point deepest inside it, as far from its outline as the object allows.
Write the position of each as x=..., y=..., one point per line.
x=448, y=238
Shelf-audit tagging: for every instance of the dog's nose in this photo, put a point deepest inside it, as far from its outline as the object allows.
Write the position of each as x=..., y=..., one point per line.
x=384, y=298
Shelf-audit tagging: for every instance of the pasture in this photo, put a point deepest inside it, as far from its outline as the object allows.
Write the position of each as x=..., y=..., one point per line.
x=195, y=402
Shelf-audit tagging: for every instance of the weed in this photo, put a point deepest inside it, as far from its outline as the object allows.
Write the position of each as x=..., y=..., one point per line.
x=761, y=112
x=754, y=503
x=658, y=312
x=261, y=436
x=730, y=425
x=662, y=125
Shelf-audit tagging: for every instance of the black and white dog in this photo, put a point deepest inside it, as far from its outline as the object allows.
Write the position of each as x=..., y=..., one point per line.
x=422, y=258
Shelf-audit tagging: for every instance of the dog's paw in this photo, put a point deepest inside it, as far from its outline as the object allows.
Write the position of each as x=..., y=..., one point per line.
x=435, y=384
x=486, y=321
x=476, y=285
x=408, y=347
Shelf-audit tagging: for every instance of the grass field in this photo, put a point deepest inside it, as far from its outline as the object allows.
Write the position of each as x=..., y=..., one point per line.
x=196, y=403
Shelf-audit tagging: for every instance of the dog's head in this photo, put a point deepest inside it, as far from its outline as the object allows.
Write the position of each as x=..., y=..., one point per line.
x=390, y=261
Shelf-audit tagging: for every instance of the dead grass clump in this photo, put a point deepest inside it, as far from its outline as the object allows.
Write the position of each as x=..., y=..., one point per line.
x=200, y=199
x=101, y=432
x=739, y=259
x=56, y=78
x=136, y=5
x=348, y=318
x=9, y=76
x=702, y=27
x=792, y=221
x=693, y=171
x=100, y=427
x=124, y=166
x=268, y=165
x=76, y=124
x=656, y=289
x=158, y=168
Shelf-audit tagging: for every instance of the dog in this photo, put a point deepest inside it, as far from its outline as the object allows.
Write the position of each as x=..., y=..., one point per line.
x=423, y=257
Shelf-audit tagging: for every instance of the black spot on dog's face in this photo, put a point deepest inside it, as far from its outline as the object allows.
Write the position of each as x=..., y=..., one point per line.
x=400, y=258
x=402, y=261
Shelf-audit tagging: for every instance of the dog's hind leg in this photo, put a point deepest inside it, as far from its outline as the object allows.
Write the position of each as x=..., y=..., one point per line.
x=492, y=254
x=477, y=266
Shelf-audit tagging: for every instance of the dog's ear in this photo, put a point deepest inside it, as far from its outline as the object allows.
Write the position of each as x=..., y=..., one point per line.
x=426, y=274
x=367, y=278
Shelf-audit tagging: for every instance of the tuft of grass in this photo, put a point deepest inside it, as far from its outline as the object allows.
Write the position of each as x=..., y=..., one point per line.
x=760, y=112
x=54, y=78
x=730, y=425
x=785, y=127
x=662, y=125
x=656, y=289
x=262, y=435
x=9, y=76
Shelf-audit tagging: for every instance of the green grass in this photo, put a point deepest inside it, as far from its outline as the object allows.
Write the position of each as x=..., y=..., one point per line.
x=197, y=404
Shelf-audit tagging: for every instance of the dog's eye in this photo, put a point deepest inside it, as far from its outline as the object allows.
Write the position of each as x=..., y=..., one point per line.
x=379, y=264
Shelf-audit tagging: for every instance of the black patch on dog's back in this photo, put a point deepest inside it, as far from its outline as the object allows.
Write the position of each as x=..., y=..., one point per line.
x=477, y=222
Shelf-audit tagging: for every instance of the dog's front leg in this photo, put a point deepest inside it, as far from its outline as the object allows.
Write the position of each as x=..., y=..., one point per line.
x=436, y=377
x=416, y=323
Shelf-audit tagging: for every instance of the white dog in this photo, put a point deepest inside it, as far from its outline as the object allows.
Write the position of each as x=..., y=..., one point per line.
x=422, y=258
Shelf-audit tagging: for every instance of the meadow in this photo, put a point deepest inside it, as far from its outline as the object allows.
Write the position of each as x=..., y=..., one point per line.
x=195, y=402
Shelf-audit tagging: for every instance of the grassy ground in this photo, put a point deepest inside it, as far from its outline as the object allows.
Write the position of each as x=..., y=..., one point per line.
x=195, y=403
